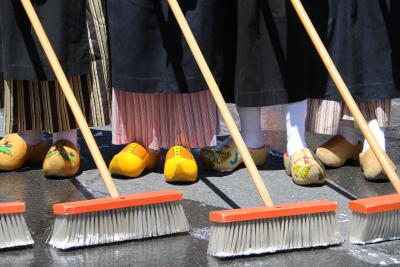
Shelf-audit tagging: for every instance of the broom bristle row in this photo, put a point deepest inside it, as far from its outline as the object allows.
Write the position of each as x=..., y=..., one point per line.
x=375, y=227
x=14, y=231
x=273, y=234
x=102, y=227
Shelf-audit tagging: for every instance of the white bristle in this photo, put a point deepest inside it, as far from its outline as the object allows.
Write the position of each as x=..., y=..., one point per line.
x=13, y=231
x=375, y=227
x=102, y=227
x=271, y=235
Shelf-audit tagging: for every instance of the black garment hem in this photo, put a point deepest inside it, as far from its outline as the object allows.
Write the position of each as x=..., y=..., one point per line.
x=158, y=85
x=259, y=99
x=363, y=92
x=28, y=73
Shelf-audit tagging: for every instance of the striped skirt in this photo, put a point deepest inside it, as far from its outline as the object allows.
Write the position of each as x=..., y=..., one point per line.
x=164, y=120
x=41, y=105
x=323, y=116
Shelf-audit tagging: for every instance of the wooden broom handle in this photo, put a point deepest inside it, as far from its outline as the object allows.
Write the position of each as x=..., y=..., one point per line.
x=69, y=95
x=223, y=108
x=344, y=91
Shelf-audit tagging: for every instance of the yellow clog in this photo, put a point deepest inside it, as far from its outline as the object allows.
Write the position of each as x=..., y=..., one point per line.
x=180, y=165
x=15, y=152
x=62, y=160
x=133, y=160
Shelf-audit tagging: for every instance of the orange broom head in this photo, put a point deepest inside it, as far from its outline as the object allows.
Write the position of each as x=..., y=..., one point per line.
x=14, y=230
x=284, y=210
x=376, y=204
x=375, y=219
x=261, y=230
x=86, y=206
x=12, y=207
x=108, y=220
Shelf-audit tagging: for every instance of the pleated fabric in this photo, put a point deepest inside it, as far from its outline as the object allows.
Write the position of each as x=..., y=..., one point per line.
x=323, y=116
x=160, y=97
x=364, y=44
x=164, y=120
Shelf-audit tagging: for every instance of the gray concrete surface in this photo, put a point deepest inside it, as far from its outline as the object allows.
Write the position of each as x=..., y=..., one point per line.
x=213, y=191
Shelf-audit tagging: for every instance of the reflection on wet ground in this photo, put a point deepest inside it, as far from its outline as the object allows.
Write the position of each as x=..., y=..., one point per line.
x=167, y=251
x=188, y=249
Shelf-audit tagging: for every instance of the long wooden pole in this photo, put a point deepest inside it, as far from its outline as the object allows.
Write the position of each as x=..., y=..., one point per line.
x=219, y=100
x=69, y=95
x=348, y=99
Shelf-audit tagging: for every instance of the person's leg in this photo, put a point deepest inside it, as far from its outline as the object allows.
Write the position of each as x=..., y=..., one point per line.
x=295, y=117
x=370, y=165
x=251, y=126
x=299, y=161
x=71, y=135
x=378, y=133
x=226, y=156
x=347, y=129
x=32, y=137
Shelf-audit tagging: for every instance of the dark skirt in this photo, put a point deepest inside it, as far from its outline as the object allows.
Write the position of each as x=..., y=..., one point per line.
x=275, y=59
x=41, y=105
x=21, y=56
x=148, y=51
x=363, y=42
x=277, y=63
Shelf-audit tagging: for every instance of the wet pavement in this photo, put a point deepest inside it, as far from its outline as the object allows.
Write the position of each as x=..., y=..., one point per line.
x=213, y=191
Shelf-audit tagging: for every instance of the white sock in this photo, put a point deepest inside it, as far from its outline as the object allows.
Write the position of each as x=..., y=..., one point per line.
x=378, y=133
x=251, y=126
x=32, y=137
x=295, y=115
x=348, y=131
x=71, y=136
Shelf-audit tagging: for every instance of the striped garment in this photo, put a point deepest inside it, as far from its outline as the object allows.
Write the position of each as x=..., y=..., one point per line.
x=41, y=105
x=323, y=116
x=164, y=120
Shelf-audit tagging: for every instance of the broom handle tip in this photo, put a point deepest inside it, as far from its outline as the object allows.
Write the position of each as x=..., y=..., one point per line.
x=69, y=95
x=219, y=100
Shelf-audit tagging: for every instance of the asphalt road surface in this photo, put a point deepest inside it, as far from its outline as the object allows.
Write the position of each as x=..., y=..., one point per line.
x=213, y=191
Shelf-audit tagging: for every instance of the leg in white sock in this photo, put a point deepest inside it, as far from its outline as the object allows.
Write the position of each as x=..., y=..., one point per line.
x=251, y=126
x=32, y=137
x=348, y=131
x=295, y=116
x=378, y=133
x=71, y=136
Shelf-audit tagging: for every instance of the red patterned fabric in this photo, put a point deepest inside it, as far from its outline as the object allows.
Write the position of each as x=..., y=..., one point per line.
x=164, y=120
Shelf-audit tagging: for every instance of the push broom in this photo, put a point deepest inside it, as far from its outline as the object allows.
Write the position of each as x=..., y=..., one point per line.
x=119, y=218
x=374, y=219
x=13, y=229
x=261, y=229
